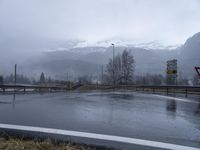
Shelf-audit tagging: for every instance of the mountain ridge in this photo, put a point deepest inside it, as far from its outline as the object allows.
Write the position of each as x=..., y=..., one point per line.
x=151, y=61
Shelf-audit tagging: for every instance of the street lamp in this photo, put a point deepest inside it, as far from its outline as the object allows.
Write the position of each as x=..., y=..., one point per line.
x=15, y=74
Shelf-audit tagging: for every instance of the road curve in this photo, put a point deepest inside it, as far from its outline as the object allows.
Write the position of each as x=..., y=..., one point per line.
x=124, y=119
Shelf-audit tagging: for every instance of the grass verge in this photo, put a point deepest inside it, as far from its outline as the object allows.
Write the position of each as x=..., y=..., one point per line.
x=28, y=144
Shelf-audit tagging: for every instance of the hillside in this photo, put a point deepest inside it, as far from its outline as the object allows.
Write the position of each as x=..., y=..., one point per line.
x=190, y=55
x=79, y=61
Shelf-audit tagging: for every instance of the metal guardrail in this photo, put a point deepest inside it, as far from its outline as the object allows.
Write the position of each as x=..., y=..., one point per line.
x=38, y=88
x=168, y=89
x=159, y=89
x=24, y=88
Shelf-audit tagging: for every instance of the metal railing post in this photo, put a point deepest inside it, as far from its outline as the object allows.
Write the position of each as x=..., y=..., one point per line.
x=167, y=91
x=186, y=92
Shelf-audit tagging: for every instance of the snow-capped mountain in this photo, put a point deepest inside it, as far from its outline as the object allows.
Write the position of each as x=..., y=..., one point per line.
x=126, y=43
x=77, y=46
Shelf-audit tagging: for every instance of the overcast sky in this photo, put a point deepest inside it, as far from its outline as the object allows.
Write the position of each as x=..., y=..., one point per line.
x=168, y=21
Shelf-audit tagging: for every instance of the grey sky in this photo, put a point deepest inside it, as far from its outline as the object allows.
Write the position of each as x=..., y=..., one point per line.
x=168, y=21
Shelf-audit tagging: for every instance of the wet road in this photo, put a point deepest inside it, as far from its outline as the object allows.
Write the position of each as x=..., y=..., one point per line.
x=126, y=114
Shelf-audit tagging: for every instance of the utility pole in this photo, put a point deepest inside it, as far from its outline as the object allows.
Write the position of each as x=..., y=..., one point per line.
x=113, y=63
x=67, y=77
x=102, y=74
x=15, y=74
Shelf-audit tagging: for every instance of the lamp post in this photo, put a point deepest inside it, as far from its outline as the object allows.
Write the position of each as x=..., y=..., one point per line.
x=113, y=45
x=15, y=74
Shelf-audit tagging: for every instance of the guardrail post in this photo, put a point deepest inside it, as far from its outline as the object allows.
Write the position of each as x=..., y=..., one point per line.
x=167, y=91
x=186, y=92
x=4, y=90
x=24, y=90
x=153, y=90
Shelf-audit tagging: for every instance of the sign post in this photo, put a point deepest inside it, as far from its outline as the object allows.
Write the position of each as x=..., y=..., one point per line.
x=198, y=73
x=172, y=72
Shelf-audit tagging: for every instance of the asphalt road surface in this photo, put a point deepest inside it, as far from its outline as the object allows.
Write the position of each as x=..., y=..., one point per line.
x=120, y=119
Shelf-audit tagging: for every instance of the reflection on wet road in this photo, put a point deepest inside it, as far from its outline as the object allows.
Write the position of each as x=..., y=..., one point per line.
x=117, y=113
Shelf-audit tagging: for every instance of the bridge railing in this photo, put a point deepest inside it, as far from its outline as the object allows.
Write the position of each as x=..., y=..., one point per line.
x=37, y=88
x=25, y=88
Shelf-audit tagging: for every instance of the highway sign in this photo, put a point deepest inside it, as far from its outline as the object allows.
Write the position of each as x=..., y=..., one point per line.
x=172, y=66
x=172, y=72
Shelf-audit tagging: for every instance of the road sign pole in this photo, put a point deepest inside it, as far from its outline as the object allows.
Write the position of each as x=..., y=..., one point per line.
x=172, y=72
x=198, y=73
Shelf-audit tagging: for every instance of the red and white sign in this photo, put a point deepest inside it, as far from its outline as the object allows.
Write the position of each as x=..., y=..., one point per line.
x=197, y=70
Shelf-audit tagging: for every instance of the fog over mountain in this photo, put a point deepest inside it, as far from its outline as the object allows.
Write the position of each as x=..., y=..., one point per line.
x=190, y=55
x=74, y=37
x=66, y=58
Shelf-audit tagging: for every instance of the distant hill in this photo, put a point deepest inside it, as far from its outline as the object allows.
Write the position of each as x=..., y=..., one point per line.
x=147, y=61
x=190, y=55
x=78, y=61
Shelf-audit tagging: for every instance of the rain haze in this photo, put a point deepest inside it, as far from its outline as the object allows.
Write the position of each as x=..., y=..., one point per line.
x=34, y=28
x=100, y=74
x=137, y=21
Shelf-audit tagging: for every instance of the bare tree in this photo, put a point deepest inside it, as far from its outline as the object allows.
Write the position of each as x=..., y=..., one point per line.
x=123, y=68
x=109, y=72
x=127, y=66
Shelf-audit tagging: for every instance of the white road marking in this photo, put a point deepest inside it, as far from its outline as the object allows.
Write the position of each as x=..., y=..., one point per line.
x=99, y=137
x=176, y=98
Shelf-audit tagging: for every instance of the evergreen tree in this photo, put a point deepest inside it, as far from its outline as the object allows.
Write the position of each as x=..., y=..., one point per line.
x=1, y=79
x=42, y=78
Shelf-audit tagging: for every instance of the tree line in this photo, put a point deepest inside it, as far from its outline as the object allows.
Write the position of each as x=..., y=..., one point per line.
x=119, y=71
x=22, y=79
